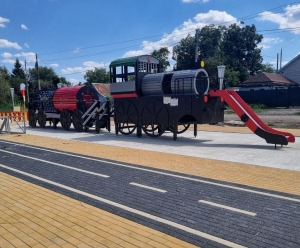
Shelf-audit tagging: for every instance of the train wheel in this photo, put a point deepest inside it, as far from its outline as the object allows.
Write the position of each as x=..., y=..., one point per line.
x=126, y=128
x=154, y=130
x=126, y=112
x=65, y=119
x=126, y=117
x=42, y=118
x=77, y=120
x=181, y=128
x=32, y=118
x=154, y=117
x=150, y=128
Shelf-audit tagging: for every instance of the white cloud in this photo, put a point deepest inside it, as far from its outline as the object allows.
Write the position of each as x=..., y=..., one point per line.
x=76, y=50
x=26, y=45
x=195, y=1
x=88, y=65
x=264, y=46
x=289, y=19
x=11, y=58
x=73, y=81
x=93, y=64
x=8, y=61
x=29, y=57
x=6, y=55
x=272, y=40
x=70, y=70
x=188, y=27
x=7, y=58
x=266, y=42
x=7, y=44
x=2, y=21
x=54, y=65
x=23, y=26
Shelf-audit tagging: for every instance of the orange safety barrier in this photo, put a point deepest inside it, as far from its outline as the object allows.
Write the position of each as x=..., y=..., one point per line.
x=17, y=116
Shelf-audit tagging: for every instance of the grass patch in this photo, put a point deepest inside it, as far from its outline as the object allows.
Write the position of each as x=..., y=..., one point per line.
x=257, y=108
x=228, y=111
x=271, y=124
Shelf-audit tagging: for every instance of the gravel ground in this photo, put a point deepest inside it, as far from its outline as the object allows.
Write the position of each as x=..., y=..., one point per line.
x=277, y=118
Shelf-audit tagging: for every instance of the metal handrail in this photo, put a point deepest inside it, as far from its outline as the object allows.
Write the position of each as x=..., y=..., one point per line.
x=96, y=109
x=177, y=82
x=87, y=112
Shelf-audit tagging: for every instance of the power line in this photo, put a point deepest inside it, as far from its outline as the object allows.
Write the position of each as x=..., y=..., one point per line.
x=101, y=45
x=187, y=31
x=170, y=36
x=124, y=48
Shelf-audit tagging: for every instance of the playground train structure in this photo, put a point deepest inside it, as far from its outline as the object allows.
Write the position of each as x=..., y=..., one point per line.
x=146, y=99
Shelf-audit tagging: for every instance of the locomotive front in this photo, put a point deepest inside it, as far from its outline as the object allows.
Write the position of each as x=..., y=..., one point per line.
x=153, y=101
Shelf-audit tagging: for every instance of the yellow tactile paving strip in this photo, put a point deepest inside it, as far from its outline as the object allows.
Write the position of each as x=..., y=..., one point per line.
x=32, y=216
x=24, y=206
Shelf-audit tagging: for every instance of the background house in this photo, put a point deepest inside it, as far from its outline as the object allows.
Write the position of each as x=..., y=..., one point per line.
x=270, y=89
x=292, y=70
x=104, y=89
x=266, y=79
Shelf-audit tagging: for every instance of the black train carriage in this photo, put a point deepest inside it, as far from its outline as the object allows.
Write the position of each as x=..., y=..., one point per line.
x=77, y=105
x=149, y=100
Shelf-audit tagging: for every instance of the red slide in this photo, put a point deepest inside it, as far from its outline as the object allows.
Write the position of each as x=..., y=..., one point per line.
x=253, y=122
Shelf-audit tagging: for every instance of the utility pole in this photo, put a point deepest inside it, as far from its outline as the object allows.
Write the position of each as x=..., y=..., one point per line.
x=277, y=62
x=196, y=46
x=37, y=68
x=280, y=58
x=26, y=79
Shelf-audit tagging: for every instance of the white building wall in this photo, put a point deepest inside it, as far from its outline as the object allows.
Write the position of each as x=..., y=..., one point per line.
x=292, y=71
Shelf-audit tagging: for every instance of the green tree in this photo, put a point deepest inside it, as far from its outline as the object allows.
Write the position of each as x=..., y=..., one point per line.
x=17, y=71
x=211, y=64
x=267, y=67
x=98, y=75
x=63, y=80
x=17, y=77
x=240, y=50
x=48, y=79
x=209, y=41
x=184, y=53
x=162, y=55
x=5, y=97
x=236, y=47
x=231, y=78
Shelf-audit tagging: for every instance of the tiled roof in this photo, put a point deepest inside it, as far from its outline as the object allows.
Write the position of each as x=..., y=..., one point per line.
x=104, y=89
x=266, y=78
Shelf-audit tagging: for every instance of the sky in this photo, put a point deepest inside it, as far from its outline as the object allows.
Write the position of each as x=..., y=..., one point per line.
x=73, y=36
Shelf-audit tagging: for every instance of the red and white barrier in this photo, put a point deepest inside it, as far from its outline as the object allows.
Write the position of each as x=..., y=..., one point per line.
x=14, y=116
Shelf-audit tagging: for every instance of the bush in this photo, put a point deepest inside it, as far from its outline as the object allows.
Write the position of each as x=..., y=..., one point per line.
x=6, y=107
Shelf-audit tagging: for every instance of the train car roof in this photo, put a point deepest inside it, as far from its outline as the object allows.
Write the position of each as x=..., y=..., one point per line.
x=130, y=61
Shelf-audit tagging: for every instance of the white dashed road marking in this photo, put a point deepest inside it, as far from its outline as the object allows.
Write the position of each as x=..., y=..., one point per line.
x=147, y=187
x=227, y=207
x=132, y=210
x=61, y=165
x=165, y=173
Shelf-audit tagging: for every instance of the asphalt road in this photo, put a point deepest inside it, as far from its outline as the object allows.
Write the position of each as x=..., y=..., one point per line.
x=204, y=212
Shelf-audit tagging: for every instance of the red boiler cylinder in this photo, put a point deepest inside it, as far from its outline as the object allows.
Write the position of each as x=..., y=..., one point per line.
x=65, y=98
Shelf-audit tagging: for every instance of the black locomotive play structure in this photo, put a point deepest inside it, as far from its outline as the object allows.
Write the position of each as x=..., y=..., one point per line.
x=145, y=99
